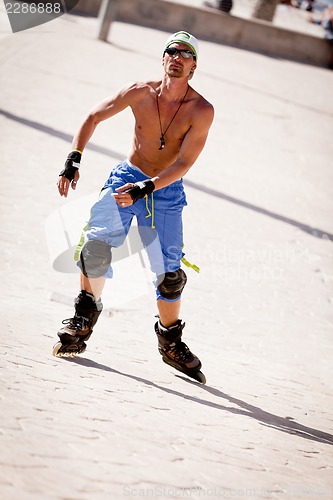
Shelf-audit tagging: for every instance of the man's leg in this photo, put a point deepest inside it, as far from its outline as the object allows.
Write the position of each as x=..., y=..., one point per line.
x=169, y=331
x=108, y=227
x=78, y=329
x=95, y=264
x=168, y=312
x=95, y=260
x=93, y=286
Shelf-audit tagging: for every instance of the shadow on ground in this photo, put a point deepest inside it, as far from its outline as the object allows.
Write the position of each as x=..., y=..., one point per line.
x=283, y=424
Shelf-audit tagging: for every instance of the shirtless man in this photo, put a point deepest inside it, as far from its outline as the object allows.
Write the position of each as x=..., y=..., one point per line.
x=171, y=126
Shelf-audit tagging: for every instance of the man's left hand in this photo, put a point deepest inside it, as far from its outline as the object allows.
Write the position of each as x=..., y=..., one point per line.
x=122, y=198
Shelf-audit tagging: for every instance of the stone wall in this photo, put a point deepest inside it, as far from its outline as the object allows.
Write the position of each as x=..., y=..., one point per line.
x=211, y=25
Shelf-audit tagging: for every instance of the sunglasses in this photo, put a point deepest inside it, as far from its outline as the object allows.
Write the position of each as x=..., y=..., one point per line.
x=186, y=54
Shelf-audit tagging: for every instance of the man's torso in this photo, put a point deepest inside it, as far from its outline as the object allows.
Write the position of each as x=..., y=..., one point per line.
x=149, y=126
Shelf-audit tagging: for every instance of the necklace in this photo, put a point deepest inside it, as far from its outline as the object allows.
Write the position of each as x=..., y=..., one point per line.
x=174, y=116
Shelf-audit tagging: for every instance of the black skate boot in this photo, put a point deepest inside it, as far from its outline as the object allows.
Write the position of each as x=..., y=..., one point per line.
x=176, y=353
x=79, y=328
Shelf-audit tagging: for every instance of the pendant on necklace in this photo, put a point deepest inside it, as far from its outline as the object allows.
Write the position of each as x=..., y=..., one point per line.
x=174, y=116
x=162, y=142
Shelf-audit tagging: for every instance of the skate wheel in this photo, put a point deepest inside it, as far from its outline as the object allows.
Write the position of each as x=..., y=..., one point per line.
x=60, y=352
x=56, y=349
x=198, y=376
x=68, y=351
x=201, y=378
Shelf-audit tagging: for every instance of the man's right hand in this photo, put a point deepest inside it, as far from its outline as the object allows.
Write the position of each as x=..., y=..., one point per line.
x=70, y=174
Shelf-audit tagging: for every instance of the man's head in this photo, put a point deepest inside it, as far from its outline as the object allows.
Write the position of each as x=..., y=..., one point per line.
x=186, y=39
x=181, y=45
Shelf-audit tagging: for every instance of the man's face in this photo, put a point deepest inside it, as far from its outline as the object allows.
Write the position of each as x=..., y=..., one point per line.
x=176, y=65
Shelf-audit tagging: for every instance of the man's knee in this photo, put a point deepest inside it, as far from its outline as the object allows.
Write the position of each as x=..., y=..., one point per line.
x=95, y=258
x=171, y=284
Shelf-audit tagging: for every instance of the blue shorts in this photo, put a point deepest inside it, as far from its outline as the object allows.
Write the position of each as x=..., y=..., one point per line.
x=159, y=221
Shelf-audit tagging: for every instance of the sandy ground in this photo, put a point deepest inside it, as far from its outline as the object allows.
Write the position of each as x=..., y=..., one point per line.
x=117, y=422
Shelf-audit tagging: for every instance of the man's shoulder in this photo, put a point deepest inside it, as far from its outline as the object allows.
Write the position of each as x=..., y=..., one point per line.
x=138, y=92
x=202, y=104
x=143, y=87
x=203, y=109
x=201, y=100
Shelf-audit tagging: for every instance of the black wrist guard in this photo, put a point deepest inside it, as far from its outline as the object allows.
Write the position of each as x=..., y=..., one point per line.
x=71, y=165
x=141, y=189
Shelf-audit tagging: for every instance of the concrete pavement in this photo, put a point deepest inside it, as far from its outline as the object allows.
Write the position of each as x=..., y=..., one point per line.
x=118, y=422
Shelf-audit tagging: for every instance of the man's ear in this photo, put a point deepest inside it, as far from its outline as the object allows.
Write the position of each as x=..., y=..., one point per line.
x=194, y=66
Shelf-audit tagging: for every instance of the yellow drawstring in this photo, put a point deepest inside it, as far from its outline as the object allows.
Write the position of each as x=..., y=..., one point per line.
x=150, y=213
x=81, y=242
x=192, y=266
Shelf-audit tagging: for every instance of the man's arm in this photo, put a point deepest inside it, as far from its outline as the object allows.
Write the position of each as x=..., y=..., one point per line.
x=102, y=111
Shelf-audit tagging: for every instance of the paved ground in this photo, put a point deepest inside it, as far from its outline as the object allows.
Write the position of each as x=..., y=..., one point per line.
x=117, y=422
